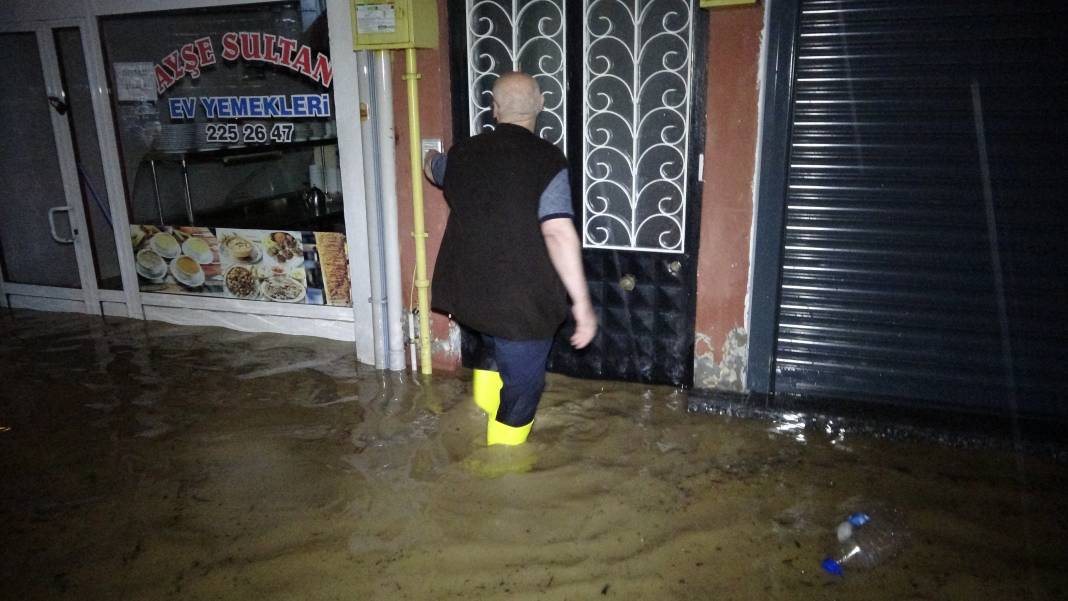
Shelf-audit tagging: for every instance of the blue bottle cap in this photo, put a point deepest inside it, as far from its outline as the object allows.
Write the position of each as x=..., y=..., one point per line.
x=859, y=519
x=831, y=567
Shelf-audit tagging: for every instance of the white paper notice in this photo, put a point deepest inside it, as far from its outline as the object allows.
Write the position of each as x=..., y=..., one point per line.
x=135, y=82
x=376, y=18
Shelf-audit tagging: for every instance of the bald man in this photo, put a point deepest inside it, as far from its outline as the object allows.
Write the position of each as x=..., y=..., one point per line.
x=510, y=256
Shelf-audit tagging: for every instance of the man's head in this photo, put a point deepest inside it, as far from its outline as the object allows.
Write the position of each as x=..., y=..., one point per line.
x=517, y=99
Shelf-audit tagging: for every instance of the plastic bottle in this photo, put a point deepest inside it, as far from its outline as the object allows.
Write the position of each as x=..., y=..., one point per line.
x=864, y=541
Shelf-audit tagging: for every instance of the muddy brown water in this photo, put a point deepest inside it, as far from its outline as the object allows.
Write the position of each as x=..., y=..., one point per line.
x=142, y=460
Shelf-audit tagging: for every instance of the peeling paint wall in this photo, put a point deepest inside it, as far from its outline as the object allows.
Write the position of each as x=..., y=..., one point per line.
x=723, y=274
x=726, y=373
x=447, y=349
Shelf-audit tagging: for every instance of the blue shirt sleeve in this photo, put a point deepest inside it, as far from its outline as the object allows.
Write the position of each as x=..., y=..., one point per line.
x=437, y=169
x=556, y=199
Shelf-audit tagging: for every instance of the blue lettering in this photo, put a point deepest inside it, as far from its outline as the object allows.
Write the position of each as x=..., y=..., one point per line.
x=175, y=106
x=255, y=106
x=300, y=105
x=326, y=104
x=241, y=106
x=211, y=106
x=225, y=107
x=190, y=107
x=283, y=102
x=313, y=105
x=270, y=105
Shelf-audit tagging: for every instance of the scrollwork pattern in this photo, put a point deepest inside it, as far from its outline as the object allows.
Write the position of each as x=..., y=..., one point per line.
x=636, y=82
x=517, y=35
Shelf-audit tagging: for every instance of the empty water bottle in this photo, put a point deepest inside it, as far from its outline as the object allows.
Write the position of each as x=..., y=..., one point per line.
x=864, y=541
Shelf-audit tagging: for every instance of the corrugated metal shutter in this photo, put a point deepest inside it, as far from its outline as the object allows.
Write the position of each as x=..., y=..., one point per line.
x=890, y=284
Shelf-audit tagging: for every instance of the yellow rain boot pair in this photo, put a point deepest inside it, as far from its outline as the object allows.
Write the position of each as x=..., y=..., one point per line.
x=486, y=388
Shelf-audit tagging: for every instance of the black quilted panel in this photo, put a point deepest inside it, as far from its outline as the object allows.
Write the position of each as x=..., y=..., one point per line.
x=646, y=334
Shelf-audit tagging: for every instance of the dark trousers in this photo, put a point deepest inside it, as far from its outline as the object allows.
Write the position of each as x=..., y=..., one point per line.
x=521, y=364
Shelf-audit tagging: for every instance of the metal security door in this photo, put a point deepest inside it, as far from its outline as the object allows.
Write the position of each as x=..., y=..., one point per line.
x=624, y=96
x=45, y=251
x=911, y=225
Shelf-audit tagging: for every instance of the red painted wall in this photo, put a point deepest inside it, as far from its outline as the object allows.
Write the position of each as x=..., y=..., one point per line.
x=727, y=202
x=435, y=111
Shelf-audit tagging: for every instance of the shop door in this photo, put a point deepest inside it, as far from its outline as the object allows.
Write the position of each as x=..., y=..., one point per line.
x=623, y=82
x=911, y=226
x=45, y=247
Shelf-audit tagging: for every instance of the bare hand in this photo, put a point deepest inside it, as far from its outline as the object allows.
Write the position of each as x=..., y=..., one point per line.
x=585, y=325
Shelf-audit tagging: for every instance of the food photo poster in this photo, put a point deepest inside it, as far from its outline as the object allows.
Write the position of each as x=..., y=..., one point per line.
x=261, y=265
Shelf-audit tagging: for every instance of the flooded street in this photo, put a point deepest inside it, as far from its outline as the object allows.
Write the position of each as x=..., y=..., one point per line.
x=142, y=460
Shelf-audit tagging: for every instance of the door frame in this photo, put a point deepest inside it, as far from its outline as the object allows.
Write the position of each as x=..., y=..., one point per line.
x=85, y=299
x=574, y=98
x=770, y=212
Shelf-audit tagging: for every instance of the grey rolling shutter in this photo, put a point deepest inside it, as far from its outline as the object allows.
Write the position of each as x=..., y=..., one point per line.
x=912, y=268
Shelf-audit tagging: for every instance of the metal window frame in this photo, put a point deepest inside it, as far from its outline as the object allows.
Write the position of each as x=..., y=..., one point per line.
x=27, y=15
x=515, y=48
x=589, y=182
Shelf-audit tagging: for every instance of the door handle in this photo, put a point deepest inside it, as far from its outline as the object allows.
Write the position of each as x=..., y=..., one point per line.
x=52, y=225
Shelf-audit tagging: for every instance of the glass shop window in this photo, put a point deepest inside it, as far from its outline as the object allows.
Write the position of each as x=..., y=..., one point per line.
x=226, y=126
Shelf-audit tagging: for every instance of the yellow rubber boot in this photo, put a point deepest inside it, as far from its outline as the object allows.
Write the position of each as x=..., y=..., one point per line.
x=498, y=433
x=486, y=388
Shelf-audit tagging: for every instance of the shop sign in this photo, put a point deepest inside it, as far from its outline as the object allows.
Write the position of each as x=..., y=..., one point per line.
x=265, y=265
x=251, y=46
x=245, y=107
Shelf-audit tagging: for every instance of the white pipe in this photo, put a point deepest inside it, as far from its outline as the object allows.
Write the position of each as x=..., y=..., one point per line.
x=388, y=165
x=365, y=75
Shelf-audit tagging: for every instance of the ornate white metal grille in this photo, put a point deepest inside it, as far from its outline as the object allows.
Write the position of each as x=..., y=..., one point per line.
x=636, y=115
x=517, y=35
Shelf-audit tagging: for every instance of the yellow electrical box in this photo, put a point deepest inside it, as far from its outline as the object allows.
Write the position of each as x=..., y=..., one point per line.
x=392, y=24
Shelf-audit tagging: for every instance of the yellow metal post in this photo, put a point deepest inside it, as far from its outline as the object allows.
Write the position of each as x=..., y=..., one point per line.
x=422, y=284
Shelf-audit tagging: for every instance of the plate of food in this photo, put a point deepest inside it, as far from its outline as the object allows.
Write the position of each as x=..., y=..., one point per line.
x=140, y=233
x=283, y=247
x=165, y=245
x=282, y=289
x=240, y=282
x=187, y=271
x=240, y=248
x=137, y=235
x=150, y=265
x=199, y=249
x=264, y=271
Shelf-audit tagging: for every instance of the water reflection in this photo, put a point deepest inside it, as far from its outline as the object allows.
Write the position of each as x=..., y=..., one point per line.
x=790, y=424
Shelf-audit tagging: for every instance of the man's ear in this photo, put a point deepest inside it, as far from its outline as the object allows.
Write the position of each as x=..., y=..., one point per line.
x=496, y=110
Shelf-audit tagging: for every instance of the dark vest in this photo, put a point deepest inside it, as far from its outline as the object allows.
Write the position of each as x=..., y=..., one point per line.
x=493, y=272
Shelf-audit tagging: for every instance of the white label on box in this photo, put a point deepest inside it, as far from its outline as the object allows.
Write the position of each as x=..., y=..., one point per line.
x=376, y=18
x=135, y=82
